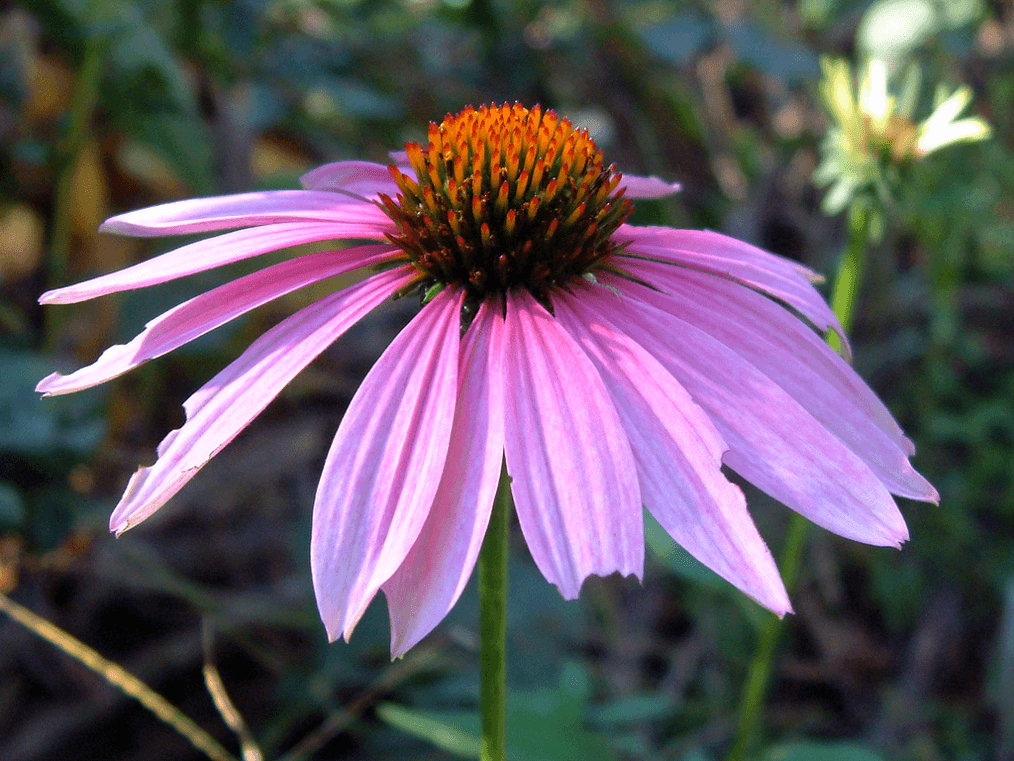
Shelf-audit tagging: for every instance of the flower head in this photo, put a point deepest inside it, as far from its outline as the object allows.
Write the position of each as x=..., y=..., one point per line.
x=613, y=366
x=875, y=133
x=507, y=198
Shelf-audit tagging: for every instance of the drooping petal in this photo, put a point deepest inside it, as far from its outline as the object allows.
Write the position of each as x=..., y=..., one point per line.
x=573, y=474
x=210, y=310
x=227, y=403
x=719, y=254
x=358, y=178
x=381, y=474
x=428, y=583
x=793, y=356
x=678, y=453
x=774, y=442
x=749, y=305
x=198, y=215
x=647, y=187
x=204, y=255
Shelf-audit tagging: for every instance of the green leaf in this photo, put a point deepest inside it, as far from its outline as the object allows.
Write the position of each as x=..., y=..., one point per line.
x=818, y=13
x=456, y=732
x=33, y=426
x=636, y=710
x=352, y=97
x=12, y=507
x=821, y=751
x=183, y=142
x=542, y=725
x=781, y=58
x=679, y=39
x=840, y=195
x=997, y=247
x=138, y=46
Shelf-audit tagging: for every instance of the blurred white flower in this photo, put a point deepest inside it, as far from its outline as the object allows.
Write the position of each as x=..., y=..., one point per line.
x=874, y=133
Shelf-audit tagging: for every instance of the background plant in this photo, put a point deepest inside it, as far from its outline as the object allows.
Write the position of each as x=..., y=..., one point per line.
x=109, y=106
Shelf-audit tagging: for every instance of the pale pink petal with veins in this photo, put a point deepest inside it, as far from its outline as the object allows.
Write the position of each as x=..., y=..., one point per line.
x=425, y=587
x=211, y=310
x=205, y=255
x=678, y=453
x=227, y=403
x=382, y=472
x=574, y=479
x=199, y=215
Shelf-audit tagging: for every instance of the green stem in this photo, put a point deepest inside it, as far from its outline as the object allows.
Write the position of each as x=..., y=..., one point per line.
x=758, y=680
x=751, y=704
x=850, y=272
x=493, y=625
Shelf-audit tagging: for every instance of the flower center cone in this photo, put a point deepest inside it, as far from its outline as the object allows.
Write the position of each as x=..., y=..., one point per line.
x=506, y=197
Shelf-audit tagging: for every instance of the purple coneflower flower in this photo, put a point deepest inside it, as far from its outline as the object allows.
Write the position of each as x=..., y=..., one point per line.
x=613, y=366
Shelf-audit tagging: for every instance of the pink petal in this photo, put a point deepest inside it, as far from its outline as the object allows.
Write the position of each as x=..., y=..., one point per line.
x=574, y=479
x=793, y=356
x=363, y=179
x=774, y=442
x=198, y=215
x=381, y=475
x=210, y=310
x=205, y=255
x=738, y=261
x=678, y=453
x=648, y=187
x=428, y=584
x=227, y=403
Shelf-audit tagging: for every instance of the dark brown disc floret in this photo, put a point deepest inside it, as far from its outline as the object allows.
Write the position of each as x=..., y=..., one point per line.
x=506, y=197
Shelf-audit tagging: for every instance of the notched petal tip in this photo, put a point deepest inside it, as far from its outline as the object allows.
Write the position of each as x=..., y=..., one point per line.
x=118, y=523
x=403, y=641
x=342, y=629
x=893, y=536
x=51, y=297
x=778, y=602
x=45, y=385
x=913, y=485
x=623, y=573
x=333, y=634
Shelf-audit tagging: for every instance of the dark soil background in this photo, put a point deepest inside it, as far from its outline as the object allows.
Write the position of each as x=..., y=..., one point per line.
x=109, y=106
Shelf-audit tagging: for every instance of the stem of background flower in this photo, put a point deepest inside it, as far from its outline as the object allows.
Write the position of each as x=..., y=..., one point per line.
x=119, y=677
x=751, y=706
x=82, y=106
x=493, y=624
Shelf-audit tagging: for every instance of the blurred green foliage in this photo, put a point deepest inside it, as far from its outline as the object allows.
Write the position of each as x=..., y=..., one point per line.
x=195, y=97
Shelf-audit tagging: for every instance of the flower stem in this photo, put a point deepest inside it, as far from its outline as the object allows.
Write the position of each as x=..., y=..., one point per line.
x=850, y=271
x=493, y=624
x=751, y=706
